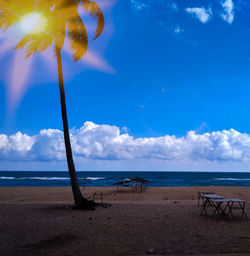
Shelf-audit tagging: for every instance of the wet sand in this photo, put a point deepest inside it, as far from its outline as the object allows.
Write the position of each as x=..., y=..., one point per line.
x=159, y=221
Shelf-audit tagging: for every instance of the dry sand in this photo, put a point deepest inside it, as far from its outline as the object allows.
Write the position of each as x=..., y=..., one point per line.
x=159, y=221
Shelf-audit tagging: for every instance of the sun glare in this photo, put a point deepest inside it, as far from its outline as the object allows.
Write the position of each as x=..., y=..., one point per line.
x=19, y=78
x=33, y=23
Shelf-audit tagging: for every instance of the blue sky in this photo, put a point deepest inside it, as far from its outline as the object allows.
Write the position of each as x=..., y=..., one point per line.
x=171, y=68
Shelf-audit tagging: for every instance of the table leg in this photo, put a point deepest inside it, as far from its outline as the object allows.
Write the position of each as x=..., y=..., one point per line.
x=218, y=209
x=242, y=206
x=230, y=207
x=204, y=204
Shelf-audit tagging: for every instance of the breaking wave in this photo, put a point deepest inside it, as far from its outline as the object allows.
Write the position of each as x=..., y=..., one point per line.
x=33, y=178
x=95, y=178
x=230, y=179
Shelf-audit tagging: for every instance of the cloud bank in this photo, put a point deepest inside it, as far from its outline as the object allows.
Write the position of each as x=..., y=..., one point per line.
x=106, y=142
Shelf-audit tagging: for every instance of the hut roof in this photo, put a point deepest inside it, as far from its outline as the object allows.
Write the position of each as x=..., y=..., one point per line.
x=136, y=179
x=123, y=181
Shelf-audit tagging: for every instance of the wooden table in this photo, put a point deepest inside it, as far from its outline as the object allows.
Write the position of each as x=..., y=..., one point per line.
x=206, y=201
x=225, y=206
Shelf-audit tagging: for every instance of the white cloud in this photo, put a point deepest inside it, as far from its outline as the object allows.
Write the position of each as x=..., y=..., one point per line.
x=15, y=146
x=178, y=30
x=106, y=142
x=228, y=6
x=138, y=5
x=48, y=146
x=201, y=13
x=166, y=5
x=228, y=145
x=174, y=6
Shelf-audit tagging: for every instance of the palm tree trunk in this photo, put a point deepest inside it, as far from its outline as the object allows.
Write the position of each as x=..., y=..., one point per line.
x=78, y=198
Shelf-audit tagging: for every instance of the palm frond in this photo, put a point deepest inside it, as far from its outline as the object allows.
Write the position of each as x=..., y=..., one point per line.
x=34, y=43
x=77, y=36
x=6, y=18
x=24, y=42
x=64, y=4
x=2, y=22
x=95, y=11
x=38, y=45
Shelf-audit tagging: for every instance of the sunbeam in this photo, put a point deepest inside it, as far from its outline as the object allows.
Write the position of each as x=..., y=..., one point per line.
x=18, y=81
x=97, y=62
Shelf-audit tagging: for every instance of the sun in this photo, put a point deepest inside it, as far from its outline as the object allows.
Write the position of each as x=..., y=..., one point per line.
x=33, y=23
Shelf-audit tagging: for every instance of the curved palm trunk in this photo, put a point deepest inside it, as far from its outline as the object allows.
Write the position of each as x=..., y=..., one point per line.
x=79, y=200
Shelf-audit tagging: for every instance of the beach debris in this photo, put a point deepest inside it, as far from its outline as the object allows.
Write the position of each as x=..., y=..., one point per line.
x=176, y=202
x=105, y=205
x=90, y=218
x=150, y=250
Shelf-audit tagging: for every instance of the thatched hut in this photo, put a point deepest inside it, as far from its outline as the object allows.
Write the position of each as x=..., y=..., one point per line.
x=137, y=183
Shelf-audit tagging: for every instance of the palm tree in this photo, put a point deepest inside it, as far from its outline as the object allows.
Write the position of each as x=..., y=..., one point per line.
x=64, y=21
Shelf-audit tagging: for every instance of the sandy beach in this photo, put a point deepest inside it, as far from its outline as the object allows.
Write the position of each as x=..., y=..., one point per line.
x=159, y=221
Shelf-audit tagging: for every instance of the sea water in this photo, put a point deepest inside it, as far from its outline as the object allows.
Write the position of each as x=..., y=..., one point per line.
x=104, y=179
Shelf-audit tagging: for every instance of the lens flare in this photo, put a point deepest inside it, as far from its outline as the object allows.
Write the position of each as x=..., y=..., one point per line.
x=33, y=23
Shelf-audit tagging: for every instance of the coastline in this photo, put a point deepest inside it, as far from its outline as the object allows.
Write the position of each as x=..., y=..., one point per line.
x=156, y=179
x=159, y=221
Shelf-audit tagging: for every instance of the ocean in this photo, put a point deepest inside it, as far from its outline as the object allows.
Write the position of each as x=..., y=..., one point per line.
x=106, y=179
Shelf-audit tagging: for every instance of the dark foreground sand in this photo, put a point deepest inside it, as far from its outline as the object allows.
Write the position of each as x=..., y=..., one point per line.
x=160, y=221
